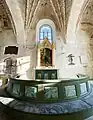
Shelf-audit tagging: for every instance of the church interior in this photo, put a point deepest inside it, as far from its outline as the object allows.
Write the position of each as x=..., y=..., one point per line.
x=46, y=59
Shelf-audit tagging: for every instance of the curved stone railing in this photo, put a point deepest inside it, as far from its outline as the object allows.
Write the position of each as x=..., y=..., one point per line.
x=48, y=90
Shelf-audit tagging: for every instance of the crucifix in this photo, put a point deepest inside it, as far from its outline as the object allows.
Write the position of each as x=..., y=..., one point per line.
x=70, y=56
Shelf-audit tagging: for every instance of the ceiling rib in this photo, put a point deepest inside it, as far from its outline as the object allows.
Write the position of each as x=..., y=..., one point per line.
x=5, y=10
x=82, y=12
x=27, y=11
x=60, y=13
x=64, y=13
x=31, y=12
x=60, y=26
x=34, y=14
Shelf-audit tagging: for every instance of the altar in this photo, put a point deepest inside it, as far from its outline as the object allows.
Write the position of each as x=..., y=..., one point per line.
x=46, y=73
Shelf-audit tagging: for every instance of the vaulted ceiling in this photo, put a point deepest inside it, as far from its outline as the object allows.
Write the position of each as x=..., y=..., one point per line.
x=5, y=16
x=60, y=11
x=86, y=20
x=56, y=10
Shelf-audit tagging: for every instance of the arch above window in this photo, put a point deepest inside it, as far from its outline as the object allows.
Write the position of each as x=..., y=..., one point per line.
x=45, y=39
x=45, y=31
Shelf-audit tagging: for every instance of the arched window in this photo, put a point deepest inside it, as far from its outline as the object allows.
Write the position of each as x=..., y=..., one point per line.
x=45, y=32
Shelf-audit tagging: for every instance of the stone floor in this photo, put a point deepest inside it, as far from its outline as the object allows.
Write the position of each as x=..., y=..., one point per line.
x=90, y=118
x=8, y=114
x=5, y=116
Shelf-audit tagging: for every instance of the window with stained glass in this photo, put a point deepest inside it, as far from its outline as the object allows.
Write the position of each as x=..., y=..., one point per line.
x=45, y=32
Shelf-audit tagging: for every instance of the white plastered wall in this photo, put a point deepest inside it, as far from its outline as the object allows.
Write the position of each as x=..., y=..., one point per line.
x=7, y=38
